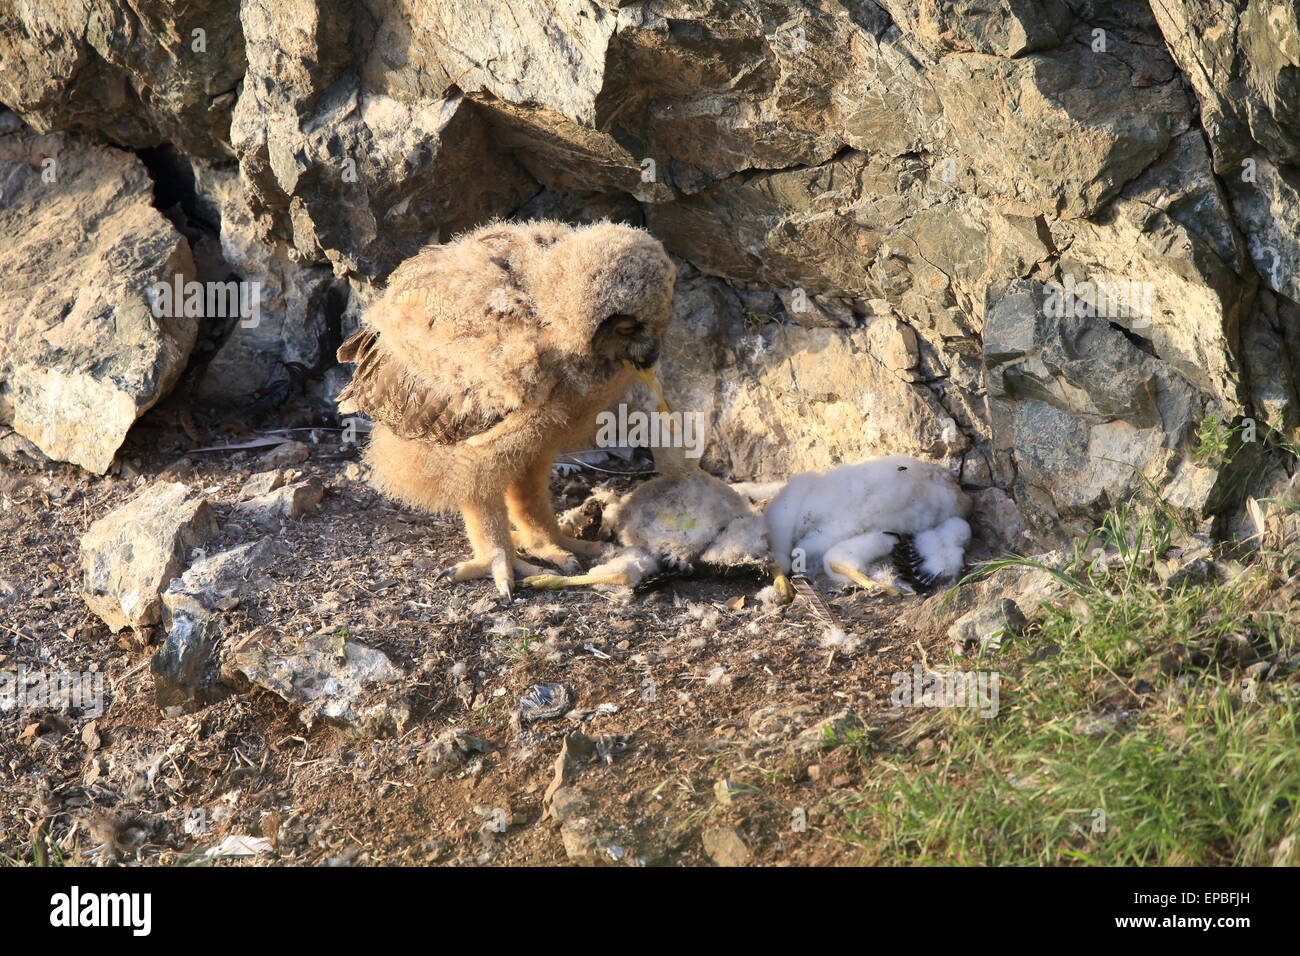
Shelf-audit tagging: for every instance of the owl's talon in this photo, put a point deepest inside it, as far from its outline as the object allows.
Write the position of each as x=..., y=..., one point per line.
x=782, y=585
x=503, y=574
x=557, y=555
x=863, y=581
x=452, y=572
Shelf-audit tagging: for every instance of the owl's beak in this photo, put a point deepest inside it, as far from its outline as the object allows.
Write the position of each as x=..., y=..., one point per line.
x=652, y=382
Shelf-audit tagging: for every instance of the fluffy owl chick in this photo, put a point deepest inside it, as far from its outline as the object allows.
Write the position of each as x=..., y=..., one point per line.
x=487, y=356
x=847, y=518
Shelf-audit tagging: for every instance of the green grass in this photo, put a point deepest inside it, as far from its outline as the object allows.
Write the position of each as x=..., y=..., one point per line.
x=42, y=853
x=1213, y=441
x=1195, y=773
x=517, y=645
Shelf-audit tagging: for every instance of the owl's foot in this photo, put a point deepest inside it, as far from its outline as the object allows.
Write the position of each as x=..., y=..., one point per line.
x=499, y=568
x=560, y=550
x=587, y=549
x=556, y=555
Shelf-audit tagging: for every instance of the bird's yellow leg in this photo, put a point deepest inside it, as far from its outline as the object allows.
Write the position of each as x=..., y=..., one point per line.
x=782, y=584
x=552, y=582
x=862, y=581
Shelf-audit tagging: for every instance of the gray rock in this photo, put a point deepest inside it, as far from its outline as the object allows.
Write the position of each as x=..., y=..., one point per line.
x=1100, y=726
x=285, y=455
x=575, y=752
x=361, y=161
x=566, y=803
x=452, y=748
x=131, y=554
x=186, y=666
x=1080, y=416
x=292, y=303
x=339, y=681
x=998, y=619
x=782, y=398
x=214, y=579
x=586, y=843
x=282, y=504
x=262, y=483
x=134, y=75
x=17, y=450
x=1189, y=568
x=1240, y=59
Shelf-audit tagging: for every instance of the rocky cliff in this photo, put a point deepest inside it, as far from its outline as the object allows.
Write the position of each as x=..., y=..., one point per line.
x=1050, y=243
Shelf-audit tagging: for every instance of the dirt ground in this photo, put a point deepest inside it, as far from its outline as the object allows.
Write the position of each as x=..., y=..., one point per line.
x=699, y=702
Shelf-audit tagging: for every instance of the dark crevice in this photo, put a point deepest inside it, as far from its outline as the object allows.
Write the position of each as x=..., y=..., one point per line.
x=174, y=188
x=1137, y=341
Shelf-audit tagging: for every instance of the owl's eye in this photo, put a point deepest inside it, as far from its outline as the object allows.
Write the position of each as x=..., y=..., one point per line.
x=624, y=324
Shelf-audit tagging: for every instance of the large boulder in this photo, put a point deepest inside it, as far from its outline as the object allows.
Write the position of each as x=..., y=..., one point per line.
x=186, y=666
x=82, y=352
x=779, y=397
x=1243, y=60
x=298, y=302
x=1082, y=416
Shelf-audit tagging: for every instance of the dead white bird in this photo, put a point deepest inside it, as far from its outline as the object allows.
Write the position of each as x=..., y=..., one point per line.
x=679, y=519
x=847, y=519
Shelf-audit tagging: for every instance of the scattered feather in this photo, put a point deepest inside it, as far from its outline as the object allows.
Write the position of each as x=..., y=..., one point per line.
x=820, y=606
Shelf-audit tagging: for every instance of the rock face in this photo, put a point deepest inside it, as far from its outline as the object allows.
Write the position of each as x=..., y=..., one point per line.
x=138, y=74
x=129, y=556
x=1080, y=416
x=82, y=354
x=871, y=204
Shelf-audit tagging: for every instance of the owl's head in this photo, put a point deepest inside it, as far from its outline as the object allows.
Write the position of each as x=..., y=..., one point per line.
x=607, y=290
x=625, y=338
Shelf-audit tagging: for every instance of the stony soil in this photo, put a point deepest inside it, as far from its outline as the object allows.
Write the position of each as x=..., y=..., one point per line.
x=698, y=697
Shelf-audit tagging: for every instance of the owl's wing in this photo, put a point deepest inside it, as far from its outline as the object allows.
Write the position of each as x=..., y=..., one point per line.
x=394, y=395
